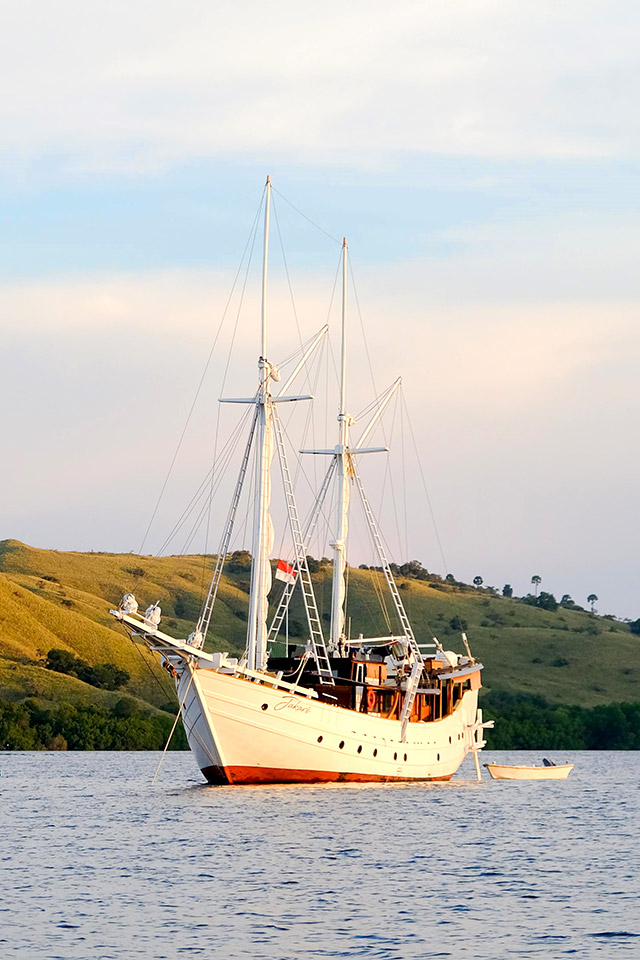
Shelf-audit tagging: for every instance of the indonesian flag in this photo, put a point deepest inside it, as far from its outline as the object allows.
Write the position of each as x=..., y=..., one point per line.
x=286, y=571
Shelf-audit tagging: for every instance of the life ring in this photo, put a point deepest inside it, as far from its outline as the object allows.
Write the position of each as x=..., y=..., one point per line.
x=371, y=699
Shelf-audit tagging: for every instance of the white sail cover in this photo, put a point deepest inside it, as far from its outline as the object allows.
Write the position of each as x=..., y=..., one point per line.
x=340, y=555
x=266, y=545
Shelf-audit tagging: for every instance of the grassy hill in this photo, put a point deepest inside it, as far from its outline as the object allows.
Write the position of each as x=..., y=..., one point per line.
x=52, y=599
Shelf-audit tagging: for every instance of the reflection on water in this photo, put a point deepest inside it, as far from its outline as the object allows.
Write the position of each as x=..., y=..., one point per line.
x=98, y=863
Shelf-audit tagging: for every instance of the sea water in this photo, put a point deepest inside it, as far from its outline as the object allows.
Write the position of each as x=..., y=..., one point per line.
x=98, y=862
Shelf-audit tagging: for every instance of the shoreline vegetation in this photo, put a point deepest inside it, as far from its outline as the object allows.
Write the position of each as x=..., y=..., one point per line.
x=27, y=726
x=557, y=675
x=522, y=723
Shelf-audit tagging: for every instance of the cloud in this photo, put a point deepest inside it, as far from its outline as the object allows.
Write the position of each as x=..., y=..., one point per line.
x=523, y=411
x=135, y=86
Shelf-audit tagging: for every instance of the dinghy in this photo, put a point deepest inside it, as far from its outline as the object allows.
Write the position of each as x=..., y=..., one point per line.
x=549, y=771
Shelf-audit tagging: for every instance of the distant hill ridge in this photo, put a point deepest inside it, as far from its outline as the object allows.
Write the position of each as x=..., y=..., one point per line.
x=55, y=599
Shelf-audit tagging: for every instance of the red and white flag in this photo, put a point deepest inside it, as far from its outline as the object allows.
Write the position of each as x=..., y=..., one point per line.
x=286, y=571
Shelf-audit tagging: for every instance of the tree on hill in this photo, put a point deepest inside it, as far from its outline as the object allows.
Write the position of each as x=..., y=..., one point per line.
x=592, y=599
x=507, y=590
x=634, y=626
x=478, y=581
x=536, y=581
x=545, y=601
x=104, y=675
x=239, y=561
x=566, y=601
x=457, y=623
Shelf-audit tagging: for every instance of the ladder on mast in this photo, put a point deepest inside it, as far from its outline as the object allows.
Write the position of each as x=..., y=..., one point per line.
x=318, y=646
x=311, y=524
x=412, y=646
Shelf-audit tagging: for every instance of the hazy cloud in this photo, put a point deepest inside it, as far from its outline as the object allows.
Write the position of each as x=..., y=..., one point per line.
x=140, y=85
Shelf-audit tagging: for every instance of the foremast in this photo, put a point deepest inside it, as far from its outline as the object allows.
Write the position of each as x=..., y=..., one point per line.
x=262, y=526
x=343, y=475
x=266, y=435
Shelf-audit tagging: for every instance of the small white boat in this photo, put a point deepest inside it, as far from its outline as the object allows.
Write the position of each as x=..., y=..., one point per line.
x=550, y=771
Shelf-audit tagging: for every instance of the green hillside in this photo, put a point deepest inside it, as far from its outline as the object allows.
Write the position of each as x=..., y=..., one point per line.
x=51, y=599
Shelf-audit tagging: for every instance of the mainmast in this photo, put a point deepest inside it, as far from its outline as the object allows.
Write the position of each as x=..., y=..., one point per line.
x=343, y=475
x=262, y=526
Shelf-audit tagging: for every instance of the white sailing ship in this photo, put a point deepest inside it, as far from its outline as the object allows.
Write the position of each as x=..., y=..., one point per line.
x=376, y=709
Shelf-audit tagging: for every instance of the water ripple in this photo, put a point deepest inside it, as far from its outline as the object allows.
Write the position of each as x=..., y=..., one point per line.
x=102, y=864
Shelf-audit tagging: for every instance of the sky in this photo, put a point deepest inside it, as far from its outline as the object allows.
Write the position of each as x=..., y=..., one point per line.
x=482, y=159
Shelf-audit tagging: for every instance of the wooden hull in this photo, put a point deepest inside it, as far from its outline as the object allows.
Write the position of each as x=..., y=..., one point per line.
x=250, y=733
x=500, y=771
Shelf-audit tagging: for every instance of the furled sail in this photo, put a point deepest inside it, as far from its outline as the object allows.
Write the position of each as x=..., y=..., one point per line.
x=266, y=546
x=340, y=551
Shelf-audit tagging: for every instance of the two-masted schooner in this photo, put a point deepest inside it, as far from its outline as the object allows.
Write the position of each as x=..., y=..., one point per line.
x=375, y=709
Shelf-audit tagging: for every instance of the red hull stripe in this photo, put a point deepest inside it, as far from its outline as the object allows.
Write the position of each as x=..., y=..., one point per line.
x=248, y=775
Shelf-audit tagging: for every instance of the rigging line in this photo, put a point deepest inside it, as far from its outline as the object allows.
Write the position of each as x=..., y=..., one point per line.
x=375, y=575
x=391, y=483
x=335, y=371
x=374, y=579
x=286, y=270
x=424, y=483
x=371, y=407
x=312, y=222
x=204, y=373
x=371, y=622
x=206, y=506
x=404, y=483
x=309, y=422
x=297, y=352
x=302, y=470
x=147, y=664
x=226, y=369
x=298, y=458
x=175, y=724
x=329, y=354
x=221, y=466
x=364, y=337
x=240, y=536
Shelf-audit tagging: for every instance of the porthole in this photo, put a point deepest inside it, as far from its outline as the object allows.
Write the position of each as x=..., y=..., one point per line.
x=341, y=744
x=319, y=739
x=265, y=706
x=449, y=739
x=438, y=756
x=360, y=749
x=395, y=756
x=375, y=752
